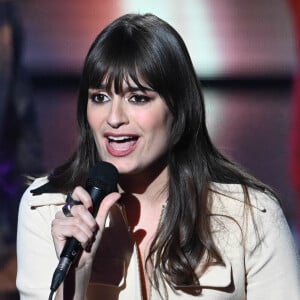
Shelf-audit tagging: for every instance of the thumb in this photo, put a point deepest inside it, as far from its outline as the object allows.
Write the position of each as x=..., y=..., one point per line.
x=105, y=206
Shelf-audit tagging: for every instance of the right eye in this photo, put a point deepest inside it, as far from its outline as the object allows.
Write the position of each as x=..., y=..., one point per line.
x=99, y=97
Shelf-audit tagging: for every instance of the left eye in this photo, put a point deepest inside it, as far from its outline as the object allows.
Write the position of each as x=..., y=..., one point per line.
x=139, y=99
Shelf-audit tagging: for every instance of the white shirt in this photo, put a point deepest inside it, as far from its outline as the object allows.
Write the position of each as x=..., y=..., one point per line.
x=252, y=270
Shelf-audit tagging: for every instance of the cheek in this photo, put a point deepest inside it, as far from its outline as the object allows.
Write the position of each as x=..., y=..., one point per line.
x=90, y=114
x=95, y=126
x=94, y=118
x=159, y=126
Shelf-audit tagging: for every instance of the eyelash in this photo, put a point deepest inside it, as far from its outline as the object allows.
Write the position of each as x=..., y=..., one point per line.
x=135, y=98
x=95, y=98
x=139, y=99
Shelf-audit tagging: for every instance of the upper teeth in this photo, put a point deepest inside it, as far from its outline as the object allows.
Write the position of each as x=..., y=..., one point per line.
x=119, y=138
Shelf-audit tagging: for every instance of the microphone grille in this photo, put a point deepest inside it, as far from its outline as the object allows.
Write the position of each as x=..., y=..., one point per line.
x=103, y=175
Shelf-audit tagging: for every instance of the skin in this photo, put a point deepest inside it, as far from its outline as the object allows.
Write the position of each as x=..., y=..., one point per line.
x=141, y=115
x=131, y=131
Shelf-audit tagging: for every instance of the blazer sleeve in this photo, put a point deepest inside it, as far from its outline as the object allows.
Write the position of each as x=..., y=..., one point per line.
x=36, y=257
x=272, y=265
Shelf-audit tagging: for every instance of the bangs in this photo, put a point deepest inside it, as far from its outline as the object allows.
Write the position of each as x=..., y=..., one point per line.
x=112, y=71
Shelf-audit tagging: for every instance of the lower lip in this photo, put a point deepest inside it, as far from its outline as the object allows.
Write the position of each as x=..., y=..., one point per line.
x=119, y=152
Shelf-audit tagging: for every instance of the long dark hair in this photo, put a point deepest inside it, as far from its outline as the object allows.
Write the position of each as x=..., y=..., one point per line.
x=144, y=46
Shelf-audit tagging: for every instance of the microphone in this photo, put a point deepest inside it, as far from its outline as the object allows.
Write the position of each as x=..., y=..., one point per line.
x=102, y=180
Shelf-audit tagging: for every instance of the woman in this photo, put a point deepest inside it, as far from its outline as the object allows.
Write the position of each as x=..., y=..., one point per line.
x=186, y=223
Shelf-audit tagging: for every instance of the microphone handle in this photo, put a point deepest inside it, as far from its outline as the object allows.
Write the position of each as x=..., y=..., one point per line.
x=72, y=247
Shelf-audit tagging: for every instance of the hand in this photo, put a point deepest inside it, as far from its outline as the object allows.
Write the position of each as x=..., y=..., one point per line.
x=82, y=225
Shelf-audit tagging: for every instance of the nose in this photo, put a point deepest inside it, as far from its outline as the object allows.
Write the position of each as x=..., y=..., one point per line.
x=117, y=115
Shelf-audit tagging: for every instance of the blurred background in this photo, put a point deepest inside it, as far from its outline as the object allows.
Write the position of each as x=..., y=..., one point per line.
x=246, y=54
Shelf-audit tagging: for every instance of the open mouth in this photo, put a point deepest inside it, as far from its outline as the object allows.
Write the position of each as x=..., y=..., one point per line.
x=121, y=145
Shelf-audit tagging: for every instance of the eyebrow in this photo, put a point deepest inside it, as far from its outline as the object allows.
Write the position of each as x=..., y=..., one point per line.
x=125, y=90
x=136, y=88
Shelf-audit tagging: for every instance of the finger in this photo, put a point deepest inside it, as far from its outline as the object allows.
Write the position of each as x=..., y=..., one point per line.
x=79, y=211
x=79, y=193
x=105, y=206
x=85, y=216
x=72, y=227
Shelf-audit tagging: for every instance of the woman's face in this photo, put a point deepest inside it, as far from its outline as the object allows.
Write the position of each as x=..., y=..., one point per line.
x=131, y=129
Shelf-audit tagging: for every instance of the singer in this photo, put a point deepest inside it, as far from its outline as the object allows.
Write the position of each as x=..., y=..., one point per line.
x=185, y=223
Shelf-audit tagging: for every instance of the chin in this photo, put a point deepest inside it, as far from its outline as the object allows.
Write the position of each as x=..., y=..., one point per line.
x=123, y=167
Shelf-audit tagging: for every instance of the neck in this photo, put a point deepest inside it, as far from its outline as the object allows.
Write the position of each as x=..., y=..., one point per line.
x=147, y=187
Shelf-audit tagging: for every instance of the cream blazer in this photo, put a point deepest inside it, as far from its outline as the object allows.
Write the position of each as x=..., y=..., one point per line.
x=252, y=270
